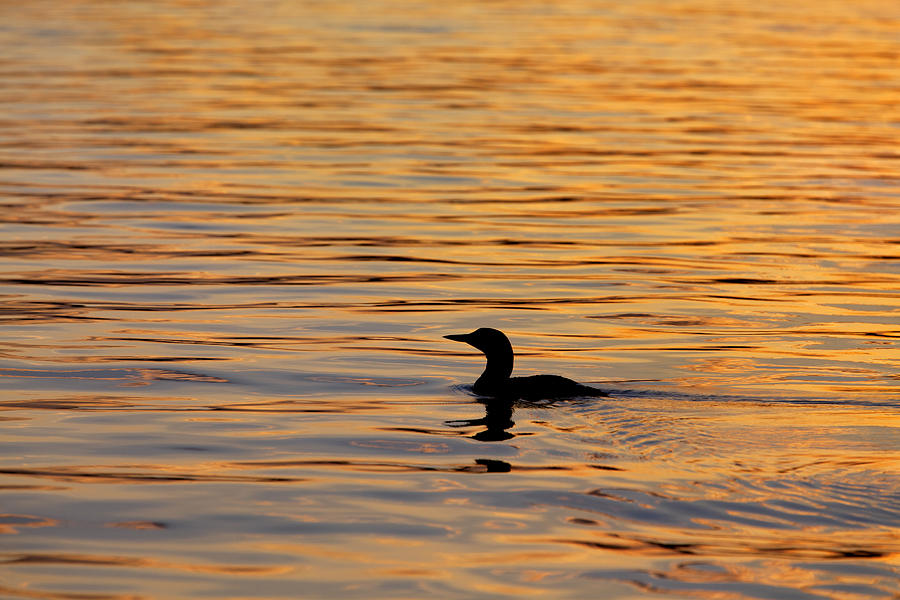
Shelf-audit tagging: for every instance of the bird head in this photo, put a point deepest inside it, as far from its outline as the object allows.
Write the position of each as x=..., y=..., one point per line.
x=485, y=339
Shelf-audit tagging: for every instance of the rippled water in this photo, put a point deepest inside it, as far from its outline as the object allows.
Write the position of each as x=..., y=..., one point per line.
x=235, y=233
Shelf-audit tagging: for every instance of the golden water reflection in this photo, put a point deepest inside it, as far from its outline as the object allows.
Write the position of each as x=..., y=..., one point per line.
x=232, y=240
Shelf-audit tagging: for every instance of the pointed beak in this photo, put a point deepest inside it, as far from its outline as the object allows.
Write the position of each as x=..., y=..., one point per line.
x=459, y=337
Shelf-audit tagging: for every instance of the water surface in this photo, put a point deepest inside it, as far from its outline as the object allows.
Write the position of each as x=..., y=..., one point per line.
x=233, y=239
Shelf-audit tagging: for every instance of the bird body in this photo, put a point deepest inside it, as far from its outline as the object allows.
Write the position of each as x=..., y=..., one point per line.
x=496, y=382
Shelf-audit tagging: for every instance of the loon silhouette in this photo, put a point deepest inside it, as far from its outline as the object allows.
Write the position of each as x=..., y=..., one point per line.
x=496, y=381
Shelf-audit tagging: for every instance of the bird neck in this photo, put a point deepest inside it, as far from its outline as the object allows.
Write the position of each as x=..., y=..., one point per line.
x=497, y=371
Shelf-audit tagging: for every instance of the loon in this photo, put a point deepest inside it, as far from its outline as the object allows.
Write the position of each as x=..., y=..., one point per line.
x=496, y=382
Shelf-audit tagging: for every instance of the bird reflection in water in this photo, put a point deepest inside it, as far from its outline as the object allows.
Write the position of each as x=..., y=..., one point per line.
x=497, y=421
x=494, y=466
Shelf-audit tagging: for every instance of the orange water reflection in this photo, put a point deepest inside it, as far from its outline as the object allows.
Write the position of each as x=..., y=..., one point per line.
x=232, y=240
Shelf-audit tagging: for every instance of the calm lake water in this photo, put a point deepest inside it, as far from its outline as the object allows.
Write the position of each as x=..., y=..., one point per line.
x=234, y=234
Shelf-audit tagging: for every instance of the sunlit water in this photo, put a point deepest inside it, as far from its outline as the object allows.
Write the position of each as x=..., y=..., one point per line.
x=235, y=233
